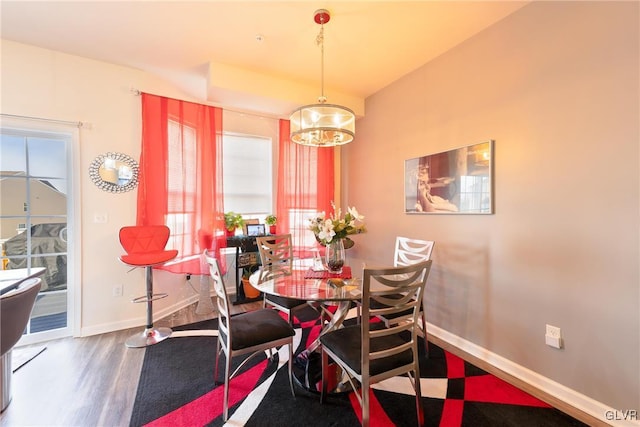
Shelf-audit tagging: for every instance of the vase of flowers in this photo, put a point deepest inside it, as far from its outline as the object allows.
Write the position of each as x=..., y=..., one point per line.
x=335, y=256
x=332, y=233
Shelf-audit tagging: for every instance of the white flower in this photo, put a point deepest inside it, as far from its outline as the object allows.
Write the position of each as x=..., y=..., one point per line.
x=327, y=229
x=354, y=213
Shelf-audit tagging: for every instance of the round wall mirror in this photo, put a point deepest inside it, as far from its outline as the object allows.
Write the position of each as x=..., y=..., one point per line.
x=114, y=172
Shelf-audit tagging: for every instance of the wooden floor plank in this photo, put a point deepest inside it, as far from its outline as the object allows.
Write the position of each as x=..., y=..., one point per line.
x=90, y=381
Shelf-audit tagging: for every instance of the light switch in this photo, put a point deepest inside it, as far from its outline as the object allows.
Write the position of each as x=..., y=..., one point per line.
x=100, y=218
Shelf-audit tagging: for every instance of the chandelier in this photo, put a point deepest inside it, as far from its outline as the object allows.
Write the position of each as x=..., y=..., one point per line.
x=322, y=124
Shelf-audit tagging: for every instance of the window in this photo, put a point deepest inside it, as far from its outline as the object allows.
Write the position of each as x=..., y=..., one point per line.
x=248, y=174
x=181, y=201
x=475, y=194
x=299, y=227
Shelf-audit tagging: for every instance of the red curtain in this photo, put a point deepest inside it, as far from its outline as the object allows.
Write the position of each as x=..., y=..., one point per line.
x=180, y=181
x=305, y=186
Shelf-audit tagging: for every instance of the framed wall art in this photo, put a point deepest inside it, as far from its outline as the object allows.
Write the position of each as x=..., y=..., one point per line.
x=255, y=230
x=247, y=223
x=458, y=181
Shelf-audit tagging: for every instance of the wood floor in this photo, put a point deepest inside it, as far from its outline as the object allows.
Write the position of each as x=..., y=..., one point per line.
x=92, y=381
x=88, y=381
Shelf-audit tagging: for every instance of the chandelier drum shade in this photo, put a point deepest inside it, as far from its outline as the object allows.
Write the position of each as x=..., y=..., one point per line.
x=322, y=124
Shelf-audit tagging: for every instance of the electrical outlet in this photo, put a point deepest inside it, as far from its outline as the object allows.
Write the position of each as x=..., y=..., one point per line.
x=553, y=337
x=117, y=291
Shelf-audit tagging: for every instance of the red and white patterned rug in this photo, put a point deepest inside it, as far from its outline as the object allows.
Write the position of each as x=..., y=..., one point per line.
x=177, y=388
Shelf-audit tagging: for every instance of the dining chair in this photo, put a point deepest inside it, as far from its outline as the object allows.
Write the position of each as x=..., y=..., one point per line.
x=252, y=333
x=276, y=254
x=369, y=353
x=145, y=247
x=15, y=310
x=411, y=251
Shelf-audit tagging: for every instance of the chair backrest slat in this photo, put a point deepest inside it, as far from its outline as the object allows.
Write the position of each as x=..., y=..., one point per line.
x=392, y=290
x=275, y=250
x=220, y=290
x=390, y=351
x=409, y=251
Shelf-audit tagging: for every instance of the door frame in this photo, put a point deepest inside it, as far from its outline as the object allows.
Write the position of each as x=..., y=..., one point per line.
x=71, y=133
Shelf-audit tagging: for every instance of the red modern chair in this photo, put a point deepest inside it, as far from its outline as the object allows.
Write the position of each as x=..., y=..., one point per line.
x=145, y=246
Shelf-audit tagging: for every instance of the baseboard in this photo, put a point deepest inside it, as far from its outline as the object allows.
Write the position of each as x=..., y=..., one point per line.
x=138, y=321
x=596, y=413
x=229, y=278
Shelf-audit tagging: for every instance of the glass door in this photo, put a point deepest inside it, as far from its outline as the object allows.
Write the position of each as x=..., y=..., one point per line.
x=34, y=207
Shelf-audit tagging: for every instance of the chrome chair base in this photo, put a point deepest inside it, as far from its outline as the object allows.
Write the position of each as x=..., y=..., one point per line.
x=149, y=337
x=5, y=378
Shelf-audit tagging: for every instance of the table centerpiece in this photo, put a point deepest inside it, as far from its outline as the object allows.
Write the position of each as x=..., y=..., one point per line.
x=332, y=233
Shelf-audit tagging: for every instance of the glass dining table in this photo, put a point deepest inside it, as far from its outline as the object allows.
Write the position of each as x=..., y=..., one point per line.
x=331, y=295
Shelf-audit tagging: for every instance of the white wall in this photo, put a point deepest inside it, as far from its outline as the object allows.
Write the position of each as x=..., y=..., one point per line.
x=47, y=84
x=556, y=85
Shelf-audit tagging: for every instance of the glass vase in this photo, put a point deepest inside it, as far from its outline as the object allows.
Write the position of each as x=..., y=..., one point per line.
x=335, y=256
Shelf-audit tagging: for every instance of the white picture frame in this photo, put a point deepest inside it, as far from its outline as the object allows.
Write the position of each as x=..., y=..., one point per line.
x=458, y=181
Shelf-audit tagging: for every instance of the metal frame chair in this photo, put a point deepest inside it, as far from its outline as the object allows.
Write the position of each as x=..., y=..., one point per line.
x=407, y=252
x=369, y=354
x=145, y=247
x=410, y=251
x=276, y=252
x=247, y=333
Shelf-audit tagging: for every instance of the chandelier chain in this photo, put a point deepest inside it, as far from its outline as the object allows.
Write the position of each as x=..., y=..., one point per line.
x=320, y=41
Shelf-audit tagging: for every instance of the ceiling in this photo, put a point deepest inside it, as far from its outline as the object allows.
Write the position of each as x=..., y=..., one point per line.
x=256, y=55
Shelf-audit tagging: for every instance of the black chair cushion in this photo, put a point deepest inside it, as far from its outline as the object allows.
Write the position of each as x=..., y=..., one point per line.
x=285, y=302
x=346, y=343
x=258, y=327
